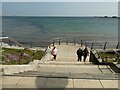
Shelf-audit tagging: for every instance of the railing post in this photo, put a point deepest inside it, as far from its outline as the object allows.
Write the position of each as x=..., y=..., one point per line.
x=59, y=41
x=20, y=60
x=67, y=41
x=31, y=44
x=105, y=45
x=81, y=43
x=32, y=57
x=85, y=44
x=74, y=41
x=117, y=45
x=53, y=42
x=10, y=42
x=18, y=41
x=49, y=43
x=92, y=46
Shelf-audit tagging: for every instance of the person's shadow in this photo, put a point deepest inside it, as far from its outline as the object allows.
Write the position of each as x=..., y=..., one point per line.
x=42, y=82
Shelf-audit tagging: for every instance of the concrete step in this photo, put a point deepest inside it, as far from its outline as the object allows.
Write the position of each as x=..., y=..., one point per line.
x=65, y=63
x=74, y=68
x=103, y=76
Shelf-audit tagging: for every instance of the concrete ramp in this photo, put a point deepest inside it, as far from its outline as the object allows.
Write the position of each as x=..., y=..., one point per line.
x=67, y=53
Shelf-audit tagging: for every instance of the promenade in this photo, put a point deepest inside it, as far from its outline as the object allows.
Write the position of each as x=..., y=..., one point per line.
x=65, y=72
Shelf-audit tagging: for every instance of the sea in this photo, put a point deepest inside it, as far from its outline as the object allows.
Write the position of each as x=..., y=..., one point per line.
x=41, y=30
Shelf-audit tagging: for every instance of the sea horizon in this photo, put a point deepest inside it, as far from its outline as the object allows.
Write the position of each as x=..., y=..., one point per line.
x=97, y=16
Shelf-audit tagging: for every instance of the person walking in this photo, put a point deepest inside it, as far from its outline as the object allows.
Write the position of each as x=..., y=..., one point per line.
x=54, y=52
x=79, y=54
x=85, y=53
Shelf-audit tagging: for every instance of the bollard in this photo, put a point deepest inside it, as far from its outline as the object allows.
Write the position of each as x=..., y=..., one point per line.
x=105, y=45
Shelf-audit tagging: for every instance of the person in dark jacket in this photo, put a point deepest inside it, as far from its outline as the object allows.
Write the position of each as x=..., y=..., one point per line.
x=85, y=53
x=79, y=54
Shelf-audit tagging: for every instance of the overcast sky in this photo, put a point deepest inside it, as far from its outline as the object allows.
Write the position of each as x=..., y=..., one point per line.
x=70, y=8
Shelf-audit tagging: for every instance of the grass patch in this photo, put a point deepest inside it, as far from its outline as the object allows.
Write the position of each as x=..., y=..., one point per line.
x=15, y=56
x=108, y=57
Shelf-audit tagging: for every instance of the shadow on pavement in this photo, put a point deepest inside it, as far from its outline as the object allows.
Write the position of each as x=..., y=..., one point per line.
x=51, y=82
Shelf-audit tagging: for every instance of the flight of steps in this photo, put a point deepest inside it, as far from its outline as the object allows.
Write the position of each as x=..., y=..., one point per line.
x=71, y=70
x=66, y=66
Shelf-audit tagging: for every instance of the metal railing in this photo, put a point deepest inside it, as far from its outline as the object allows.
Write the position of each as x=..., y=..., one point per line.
x=59, y=41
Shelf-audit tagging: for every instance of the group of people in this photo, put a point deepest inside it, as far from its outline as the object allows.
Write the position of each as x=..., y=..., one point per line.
x=81, y=53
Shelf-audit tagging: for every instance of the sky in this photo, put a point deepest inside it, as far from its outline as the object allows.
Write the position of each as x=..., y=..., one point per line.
x=70, y=8
x=60, y=0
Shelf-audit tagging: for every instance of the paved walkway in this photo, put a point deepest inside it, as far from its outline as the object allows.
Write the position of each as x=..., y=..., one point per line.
x=39, y=82
x=66, y=53
x=65, y=72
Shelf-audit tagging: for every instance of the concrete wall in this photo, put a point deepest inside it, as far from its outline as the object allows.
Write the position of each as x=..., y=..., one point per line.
x=11, y=69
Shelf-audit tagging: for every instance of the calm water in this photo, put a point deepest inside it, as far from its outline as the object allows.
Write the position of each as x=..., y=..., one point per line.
x=47, y=28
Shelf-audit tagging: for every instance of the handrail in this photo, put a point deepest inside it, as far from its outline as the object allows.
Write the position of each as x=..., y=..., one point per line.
x=67, y=40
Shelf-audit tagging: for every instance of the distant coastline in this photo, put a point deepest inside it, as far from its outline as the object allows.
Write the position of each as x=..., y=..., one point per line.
x=108, y=17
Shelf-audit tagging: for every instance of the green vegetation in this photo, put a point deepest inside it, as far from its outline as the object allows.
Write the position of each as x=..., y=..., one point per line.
x=19, y=56
x=109, y=57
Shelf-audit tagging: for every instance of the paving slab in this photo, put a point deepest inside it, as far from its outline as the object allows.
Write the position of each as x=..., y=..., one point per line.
x=26, y=82
x=119, y=84
x=10, y=81
x=110, y=83
x=84, y=83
